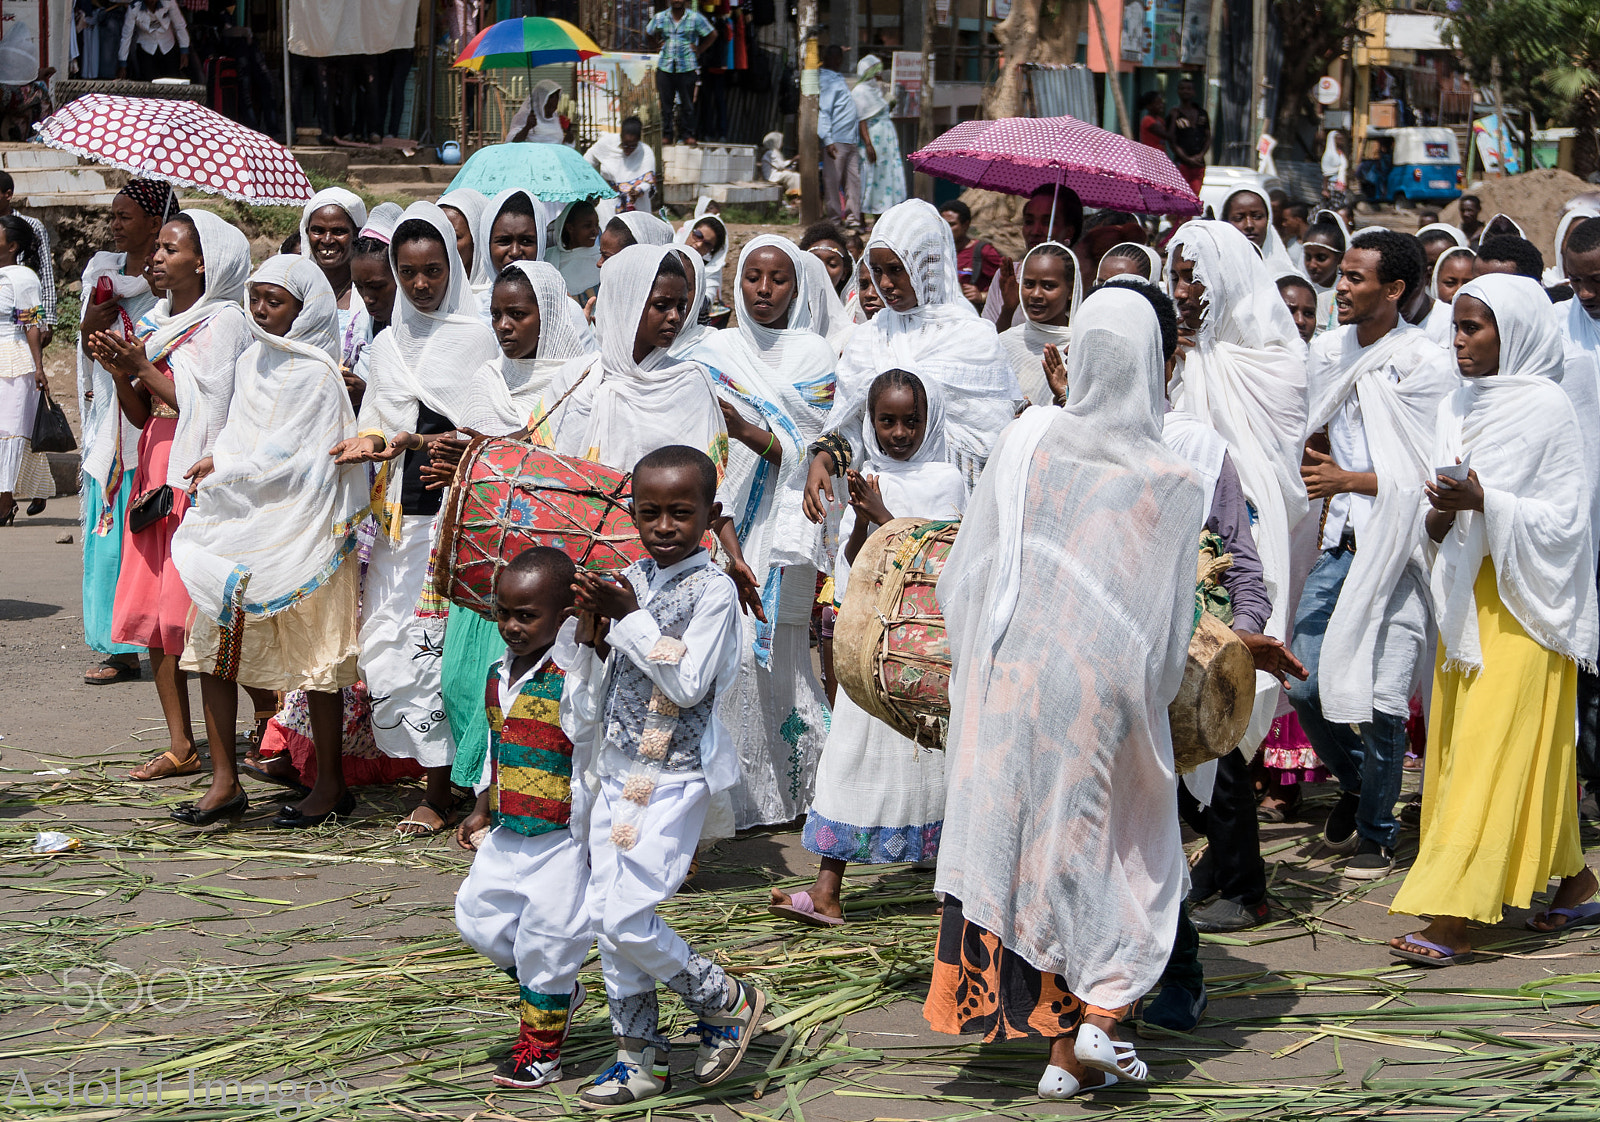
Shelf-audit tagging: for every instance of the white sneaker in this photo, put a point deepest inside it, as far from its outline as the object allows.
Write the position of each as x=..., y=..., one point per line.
x=639, y=1073
x=724, y=1037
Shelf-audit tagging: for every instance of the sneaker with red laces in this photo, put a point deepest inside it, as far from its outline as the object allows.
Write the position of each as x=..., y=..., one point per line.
x=531, y=1064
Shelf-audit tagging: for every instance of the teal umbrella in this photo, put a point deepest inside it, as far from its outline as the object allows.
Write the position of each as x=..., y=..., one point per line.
x=551, y=172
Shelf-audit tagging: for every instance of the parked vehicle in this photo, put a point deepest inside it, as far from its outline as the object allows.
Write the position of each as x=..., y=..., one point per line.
x=1414, y=164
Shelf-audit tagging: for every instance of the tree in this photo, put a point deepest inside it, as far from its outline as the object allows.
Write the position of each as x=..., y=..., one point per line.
x=1575, y=79
x=1035, y=31
x=1314, y=34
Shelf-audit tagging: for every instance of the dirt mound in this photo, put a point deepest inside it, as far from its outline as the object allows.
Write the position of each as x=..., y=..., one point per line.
x=1533, y=200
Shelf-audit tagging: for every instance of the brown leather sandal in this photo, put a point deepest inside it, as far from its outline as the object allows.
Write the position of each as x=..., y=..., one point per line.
x=191, y=766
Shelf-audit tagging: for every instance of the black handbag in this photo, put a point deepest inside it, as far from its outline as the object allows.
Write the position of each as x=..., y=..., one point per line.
x=149, y=508
x=51, y=433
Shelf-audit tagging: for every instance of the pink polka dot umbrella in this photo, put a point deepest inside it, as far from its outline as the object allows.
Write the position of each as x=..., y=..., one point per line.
x=1018, y=155
x=180, y=142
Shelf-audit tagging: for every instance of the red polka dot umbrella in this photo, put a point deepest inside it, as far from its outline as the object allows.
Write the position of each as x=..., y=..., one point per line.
x=182, y=143
x=1018, y=155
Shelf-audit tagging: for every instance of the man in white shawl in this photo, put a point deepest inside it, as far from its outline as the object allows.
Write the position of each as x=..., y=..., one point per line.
x=775, y=378
x=1362, y=628
x=1580, y=325
x=268, y=551
x=1072, y=580
x=1244, y=375
x=929, y=328
x=430, y=374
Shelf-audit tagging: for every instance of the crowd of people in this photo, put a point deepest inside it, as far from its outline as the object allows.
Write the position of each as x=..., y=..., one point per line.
x=1392, y=438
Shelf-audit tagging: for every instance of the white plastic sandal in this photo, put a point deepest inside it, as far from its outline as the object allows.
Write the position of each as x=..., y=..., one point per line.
x=1114, y=1057
x=1059, y=1083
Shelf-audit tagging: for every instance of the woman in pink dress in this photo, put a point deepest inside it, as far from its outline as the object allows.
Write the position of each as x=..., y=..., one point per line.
x=174, y=383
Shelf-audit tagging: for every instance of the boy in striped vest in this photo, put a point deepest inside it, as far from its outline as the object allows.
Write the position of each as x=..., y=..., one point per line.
x=523, y=904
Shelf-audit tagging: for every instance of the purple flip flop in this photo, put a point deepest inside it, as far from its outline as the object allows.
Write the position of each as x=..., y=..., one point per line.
x=1449, y=957
x=1584, y=915
x=801, y=909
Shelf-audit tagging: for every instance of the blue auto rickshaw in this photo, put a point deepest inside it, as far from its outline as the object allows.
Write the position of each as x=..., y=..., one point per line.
x=1415, y=164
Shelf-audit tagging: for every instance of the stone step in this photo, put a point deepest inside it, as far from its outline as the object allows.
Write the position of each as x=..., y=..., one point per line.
x=403, y=173
x=70, y=199
x=409, y=190
x=58, y=180
x=24, y=157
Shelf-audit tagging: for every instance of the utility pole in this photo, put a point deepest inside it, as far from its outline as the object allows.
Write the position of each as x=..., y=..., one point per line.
x=925, y=125
x=288, y=98
x=810, y=86
x=1258, y=71
x=1113, y=76
x=1214, y=69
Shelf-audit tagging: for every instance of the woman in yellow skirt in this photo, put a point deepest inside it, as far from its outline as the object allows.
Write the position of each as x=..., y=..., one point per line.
x=1513, y=584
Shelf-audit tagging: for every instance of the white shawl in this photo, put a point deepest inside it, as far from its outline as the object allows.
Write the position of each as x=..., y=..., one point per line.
x=1246, y=377
x=471, y=204
x=580, y=267
x=347, y=201
x=1397, y=419
x=1273, y=252
x=1520, y=434
x=828, y=317
x=1059, y=836
x=693, y=332
x=110, y=441
x=483, y=232
x=714, y=265
x=277, y=517
x=646, y=228
x=560, y=341
x=381, y=222
x=202, y=364
x=620, y=409
x=1025, y=342
x=547, y=126
x=783, y=379
x=1577, y=212
x=1433, y=278
x=424, y=358
x=941, y=339
x=1452, y=232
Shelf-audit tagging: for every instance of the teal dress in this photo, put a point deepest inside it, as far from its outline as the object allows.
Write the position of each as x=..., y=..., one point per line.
x=102, y=561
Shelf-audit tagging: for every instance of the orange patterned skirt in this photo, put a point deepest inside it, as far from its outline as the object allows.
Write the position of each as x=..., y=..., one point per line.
x=980, y=988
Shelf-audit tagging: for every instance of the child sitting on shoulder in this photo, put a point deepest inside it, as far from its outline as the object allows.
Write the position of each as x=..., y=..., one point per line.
x=665, y=650
x=522, y=905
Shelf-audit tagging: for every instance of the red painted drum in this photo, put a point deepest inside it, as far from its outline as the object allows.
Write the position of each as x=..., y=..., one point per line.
x=509, y=496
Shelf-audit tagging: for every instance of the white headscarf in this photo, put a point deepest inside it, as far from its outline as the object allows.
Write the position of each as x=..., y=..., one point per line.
x=1519, y=432
x=471, y=204
x=633, y=408
x=711, y=266
x=421, y=360
x=1508, y=220
x=347, y=201
x=579, y=267
x=1273, y=251
x=1084, y=524
x=1026, y=341
x=1335, y=164
x=483, y=232
x=693, y=332
x=782, y=378
x=1452, y=232
x=202, y=362
x=560, y=341
x=1246, y=377
x=941, y=339
x=382, y=221
x=646, y=228
x=1150, y=255
x=277, y=517
x=867, y=93
x=1433, y=279
x=547, y=128
x=1577, y=211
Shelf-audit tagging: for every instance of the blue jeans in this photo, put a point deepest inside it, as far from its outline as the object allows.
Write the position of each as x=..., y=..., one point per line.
x=1367, y=759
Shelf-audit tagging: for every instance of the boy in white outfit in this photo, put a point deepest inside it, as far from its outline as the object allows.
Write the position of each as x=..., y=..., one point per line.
x=522, y=905
x=666, y=647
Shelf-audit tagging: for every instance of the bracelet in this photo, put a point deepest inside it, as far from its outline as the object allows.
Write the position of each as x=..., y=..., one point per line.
x=772, y=438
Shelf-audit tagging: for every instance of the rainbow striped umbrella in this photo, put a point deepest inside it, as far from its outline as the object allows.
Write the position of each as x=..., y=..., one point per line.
x=526, y=42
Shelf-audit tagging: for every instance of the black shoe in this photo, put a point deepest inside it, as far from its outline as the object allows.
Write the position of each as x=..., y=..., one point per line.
x=1228, y=915
x=290, y=818
x=1371, y=862
x=1339, y=834
x=1411, y=812
x=35, y=507
x=1176, y=1009
x=191, y=815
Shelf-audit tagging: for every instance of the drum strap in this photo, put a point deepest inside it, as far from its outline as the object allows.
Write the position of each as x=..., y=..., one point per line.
x=534, y=423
